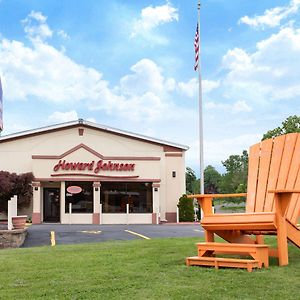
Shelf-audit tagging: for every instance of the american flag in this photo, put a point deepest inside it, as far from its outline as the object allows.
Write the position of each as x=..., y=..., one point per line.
x=196, y=44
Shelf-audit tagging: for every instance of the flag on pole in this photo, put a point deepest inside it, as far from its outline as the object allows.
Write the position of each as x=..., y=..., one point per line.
x=196, y=44
x=1, y=107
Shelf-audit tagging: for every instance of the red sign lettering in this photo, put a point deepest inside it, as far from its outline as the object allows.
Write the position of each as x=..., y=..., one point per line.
x=92, y=166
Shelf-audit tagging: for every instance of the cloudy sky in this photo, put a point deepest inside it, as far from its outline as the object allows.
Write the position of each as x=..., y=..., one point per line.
x=129, y=65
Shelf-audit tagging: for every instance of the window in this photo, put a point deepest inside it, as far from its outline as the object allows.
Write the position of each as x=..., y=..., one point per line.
x=115, y=196
x=80, y=194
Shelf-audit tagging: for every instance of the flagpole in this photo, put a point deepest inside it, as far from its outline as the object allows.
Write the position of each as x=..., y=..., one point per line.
x=200, y=110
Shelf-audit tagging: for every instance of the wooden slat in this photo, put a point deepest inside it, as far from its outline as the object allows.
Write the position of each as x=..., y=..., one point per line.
x=295, y=217
x=274, y=170
x=252, y=177
x=217, y=262
x=285, y=167
x=294, y=183
x=294, y=169
x=263, y=174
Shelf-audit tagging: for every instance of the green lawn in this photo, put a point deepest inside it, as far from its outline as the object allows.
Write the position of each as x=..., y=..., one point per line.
x=140, y=269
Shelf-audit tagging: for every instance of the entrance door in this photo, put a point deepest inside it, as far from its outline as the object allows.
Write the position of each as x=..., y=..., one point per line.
x=51, y=204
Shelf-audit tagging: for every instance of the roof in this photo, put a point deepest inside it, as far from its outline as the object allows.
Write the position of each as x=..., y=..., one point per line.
x=83, y=123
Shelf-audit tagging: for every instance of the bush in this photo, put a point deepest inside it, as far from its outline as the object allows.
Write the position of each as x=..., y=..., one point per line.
x=186, y=209
x=12, y=184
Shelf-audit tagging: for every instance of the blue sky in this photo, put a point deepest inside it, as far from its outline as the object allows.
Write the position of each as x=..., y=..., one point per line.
x=129, y=64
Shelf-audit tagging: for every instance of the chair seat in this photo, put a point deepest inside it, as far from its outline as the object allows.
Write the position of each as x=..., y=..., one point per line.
x=240, y=221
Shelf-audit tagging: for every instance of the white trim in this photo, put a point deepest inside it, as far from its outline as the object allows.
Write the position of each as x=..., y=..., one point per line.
x=96, y=126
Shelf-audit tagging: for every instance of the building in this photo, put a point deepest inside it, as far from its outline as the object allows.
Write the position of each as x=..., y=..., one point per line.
x=86, y=173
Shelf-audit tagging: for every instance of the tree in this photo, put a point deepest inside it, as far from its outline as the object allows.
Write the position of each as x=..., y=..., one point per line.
x=235, y=178
x=291, y=124
x=212, y=179
x=12, y=184
x=192, y=183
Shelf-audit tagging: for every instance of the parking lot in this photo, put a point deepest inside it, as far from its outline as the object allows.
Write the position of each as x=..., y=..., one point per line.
x=40, y=235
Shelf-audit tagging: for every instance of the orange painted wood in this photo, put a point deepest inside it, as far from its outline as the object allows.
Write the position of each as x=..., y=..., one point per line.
x=263, y=175
x=217, y=262
x=256, y=251
x=206, y=205
x=274, y=170
x=252, y=177
x=199, y=196
x=273, y=198
x=287, y=155
x=294, y=168
x=247, y=219
x=293, y=234
x=293, y=212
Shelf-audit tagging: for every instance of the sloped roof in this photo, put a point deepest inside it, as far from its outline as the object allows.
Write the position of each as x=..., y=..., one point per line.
x=83, y=123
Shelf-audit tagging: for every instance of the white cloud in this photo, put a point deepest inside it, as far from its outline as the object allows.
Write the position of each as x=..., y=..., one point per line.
x=152, y=17
x=270, y=73
x=35, y=26
x=146, y=77
x=191, y=87
x=47, y=74
x=236, y=107
x=213, y=155
x=229, y=146
x=93, y=120
x=63, y=34
x=272, y=17
x=62, y=117
x=209, y=85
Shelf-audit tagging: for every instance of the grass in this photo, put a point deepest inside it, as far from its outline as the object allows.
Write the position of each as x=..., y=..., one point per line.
x=139, y=269
x=233, y=208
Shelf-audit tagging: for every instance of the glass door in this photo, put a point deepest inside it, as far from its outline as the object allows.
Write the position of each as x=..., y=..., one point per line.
x=51, y=204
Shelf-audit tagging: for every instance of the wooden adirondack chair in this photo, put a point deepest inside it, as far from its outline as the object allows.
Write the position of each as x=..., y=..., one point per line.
x=273, y=199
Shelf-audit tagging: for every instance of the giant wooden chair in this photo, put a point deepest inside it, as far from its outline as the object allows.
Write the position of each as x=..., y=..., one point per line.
x=272, y=203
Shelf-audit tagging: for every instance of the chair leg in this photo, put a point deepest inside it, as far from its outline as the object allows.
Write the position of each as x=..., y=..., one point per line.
x=282, y=243
x=259, y=239
x=209, y=236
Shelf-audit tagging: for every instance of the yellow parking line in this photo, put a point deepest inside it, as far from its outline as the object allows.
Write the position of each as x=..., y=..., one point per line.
x=140, y=235
x=52, y=238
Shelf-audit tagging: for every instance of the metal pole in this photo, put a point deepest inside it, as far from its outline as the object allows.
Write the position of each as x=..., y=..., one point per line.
x=70, y=213
x=200, y=110
x=127, y=213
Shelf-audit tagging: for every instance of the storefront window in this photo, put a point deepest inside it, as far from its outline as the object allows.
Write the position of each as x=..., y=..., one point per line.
x=115, y=196
x=80, y=194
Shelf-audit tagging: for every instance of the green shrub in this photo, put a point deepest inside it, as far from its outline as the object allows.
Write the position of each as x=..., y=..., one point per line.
x=186, y=209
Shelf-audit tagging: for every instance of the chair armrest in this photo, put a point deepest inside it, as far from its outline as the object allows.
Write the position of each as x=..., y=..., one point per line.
x=210, y=196
x=282, y=200
x=283, y=191
x=205, y=200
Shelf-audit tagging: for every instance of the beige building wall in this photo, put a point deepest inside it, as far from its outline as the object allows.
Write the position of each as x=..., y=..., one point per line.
x=39, y=154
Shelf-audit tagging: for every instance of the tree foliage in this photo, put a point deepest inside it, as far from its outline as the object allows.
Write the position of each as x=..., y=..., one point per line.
x=192, y=183
x=234, y=180
x=212, y=179
x=291, y=124
x=12, y=184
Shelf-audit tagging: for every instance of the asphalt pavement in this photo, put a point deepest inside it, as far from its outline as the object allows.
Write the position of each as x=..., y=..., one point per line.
x=40, y=235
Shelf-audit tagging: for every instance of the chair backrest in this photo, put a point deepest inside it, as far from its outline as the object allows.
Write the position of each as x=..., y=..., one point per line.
x=274, y=164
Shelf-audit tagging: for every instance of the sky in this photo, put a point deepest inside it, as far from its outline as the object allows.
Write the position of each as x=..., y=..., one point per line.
x=129, y=65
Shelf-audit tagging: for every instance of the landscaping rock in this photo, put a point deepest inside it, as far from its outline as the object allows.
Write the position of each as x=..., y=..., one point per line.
x=12, y=238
